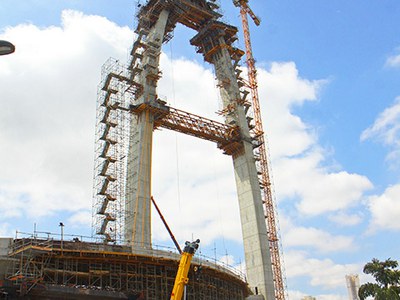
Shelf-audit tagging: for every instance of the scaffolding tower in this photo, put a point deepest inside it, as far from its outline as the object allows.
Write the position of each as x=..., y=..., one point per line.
x=115, y=93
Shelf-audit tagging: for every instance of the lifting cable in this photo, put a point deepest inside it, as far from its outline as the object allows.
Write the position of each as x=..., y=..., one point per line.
x=176, y=134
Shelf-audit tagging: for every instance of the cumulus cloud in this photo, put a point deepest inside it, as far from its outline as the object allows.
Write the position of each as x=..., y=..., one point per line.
x=80, y=219
x=6, y=230
x=296, y=295
x=299, y=163
x=385, y=209
x=319, y=239
x=393, y=61
x=322, y=272
x=344, y=219
x=386, y=129
x=320, y=189
x=282, y=89
x=314, y=239
x=48, y=112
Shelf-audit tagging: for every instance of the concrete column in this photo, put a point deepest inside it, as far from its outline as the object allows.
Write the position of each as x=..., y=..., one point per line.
x=255, y=240
x=138, y=182
x=138, y=190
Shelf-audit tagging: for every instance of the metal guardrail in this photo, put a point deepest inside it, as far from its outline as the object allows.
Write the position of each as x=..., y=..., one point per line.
x=20, y=244
x=47, y=240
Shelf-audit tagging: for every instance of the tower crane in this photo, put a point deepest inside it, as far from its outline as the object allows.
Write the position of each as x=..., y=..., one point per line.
x=261, y=155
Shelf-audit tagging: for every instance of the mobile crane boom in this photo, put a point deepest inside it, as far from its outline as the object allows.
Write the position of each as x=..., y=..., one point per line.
x=181, y=278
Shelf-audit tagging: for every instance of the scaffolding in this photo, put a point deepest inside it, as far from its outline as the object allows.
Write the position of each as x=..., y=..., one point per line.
x=115, y=93
x=45, y=266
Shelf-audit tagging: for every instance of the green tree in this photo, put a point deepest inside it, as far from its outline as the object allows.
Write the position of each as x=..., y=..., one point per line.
x=387, y=277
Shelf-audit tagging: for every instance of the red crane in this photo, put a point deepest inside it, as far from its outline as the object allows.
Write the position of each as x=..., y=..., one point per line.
x=261, y=153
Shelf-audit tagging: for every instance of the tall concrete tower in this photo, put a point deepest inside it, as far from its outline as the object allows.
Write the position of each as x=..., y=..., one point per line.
x=133, y=91
x=138, y=181
x=353, y=285
x=257, y=255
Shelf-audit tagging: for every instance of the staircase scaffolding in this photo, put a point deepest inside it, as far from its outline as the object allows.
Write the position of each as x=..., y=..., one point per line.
x=116, y=91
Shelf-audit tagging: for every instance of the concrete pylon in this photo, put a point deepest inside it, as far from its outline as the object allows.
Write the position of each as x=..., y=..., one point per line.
x=138, y=183
x=255, y=239
x=254, y=231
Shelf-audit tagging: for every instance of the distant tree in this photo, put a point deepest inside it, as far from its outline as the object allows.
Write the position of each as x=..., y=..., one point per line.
x=387, y=277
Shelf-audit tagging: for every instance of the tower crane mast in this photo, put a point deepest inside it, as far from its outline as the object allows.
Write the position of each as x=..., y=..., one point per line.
x=261, y=155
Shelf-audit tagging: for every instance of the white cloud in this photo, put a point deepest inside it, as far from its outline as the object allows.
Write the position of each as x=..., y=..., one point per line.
x=297, y=159
x=393, y=61
x=80, y=219
x=311, y=238
x=227, y=260
x=319, y=189
x=203, y=203
x=48, y=107
x=319, y=239
x=386, y=129
x=322, y=272
x=385, y=209
x=343, y=219
x=6, y=230
x=281, y=88
x=296, y=295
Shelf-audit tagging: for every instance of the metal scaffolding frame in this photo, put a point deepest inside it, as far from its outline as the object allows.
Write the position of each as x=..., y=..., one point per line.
x=115, y=93
x=44, y=266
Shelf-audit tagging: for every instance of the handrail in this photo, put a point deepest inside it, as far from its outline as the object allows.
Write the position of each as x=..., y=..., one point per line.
x=52, y=244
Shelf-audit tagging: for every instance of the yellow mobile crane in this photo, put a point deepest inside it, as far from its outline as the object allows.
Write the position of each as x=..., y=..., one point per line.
x=181, y=278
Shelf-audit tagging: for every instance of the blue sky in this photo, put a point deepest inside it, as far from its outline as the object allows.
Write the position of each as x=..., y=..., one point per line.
x=328, y=74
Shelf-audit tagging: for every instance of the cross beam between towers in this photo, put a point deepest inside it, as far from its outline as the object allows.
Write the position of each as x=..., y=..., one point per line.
x=227, y=137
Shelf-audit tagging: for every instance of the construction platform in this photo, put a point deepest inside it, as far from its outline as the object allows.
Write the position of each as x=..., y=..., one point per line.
x=45, y=268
